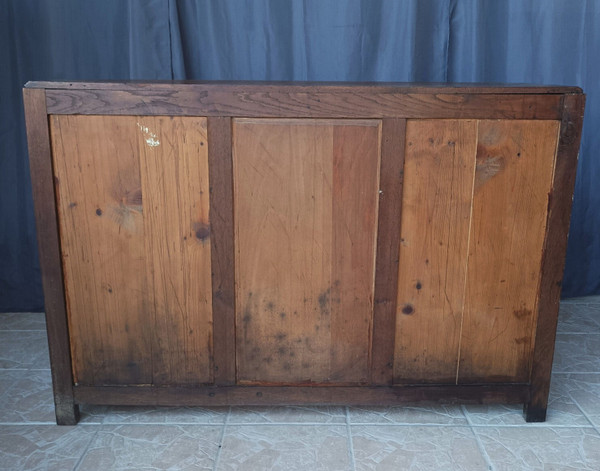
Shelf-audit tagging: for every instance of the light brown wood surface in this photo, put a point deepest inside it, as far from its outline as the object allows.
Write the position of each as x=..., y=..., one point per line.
x=305, y=198
x=513, y=180
x=133, y=212
x=436, y=210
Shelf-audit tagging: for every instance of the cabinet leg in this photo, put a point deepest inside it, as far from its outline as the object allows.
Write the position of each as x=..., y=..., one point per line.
x=533, y=413
x=67, y=413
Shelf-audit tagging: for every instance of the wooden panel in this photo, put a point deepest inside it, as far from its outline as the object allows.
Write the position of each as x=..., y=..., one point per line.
x=222, y=246
x=515, y=162
x=388, y=239
x=303, y=395
x=177, y=235
x=553, y=258
x=288, y=101
x=305, y=221
x=436, y=209
x=40, y=165
x=137, y=272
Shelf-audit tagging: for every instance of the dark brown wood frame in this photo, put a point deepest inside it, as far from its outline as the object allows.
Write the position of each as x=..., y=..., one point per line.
x=220, y=102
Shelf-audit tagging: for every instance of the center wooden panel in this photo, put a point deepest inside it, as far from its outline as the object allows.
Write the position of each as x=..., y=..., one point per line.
x=306, y=200
x=135, y=230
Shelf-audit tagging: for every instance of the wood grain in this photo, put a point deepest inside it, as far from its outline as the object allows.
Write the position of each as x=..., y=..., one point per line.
x=305, y=217
x=553, y=258
x=300, y=86
x=304, y=395
x=294, y=102
x=436, y=212
x=135, y=247
x=222, y=246
x=388, y=239
x=177, y=237
x=40, y=165
x=515, y=164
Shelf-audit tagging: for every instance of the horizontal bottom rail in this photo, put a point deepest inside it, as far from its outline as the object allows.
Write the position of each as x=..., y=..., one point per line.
x=291, y=395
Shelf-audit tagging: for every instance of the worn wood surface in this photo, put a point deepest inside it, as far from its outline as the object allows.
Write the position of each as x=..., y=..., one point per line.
x=519, y=223
x=305, y=221
x=243, y=86
x=304, y=395
x=173, y=155
x=297, y=102
x=515, y=164
x=554, y=251
x=40, y=165
x=222, y=246
x=388, y=238
x=436, y=214
x=135, y=247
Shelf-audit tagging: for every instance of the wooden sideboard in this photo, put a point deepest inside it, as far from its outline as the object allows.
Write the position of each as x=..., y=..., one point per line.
x=301, y=243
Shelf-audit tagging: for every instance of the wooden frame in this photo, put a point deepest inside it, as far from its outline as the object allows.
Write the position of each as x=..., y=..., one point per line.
x=220, y=102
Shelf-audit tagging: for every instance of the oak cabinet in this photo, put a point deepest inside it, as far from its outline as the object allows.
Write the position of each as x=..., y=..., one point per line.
x=224, y=243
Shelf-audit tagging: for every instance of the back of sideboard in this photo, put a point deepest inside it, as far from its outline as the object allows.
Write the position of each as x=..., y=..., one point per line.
x=214, y=243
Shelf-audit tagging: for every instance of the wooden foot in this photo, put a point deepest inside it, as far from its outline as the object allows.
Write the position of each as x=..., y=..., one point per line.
x=67, y=413
x=534, y=414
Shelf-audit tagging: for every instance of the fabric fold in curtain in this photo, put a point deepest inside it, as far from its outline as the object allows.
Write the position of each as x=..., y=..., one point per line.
x=552, y=42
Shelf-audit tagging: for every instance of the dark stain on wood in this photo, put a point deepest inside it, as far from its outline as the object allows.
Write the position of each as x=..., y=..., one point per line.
x=98, y=212
x=325, y=302
x=72, y=205
x=522, y=340
x=201, y=231
x=419, y=285
x=522, y=313
x=408, y=309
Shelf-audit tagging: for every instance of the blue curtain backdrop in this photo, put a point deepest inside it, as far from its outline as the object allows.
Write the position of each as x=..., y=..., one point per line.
x=549, y=42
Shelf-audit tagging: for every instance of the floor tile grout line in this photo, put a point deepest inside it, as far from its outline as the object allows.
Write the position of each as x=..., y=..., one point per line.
x=587, y=417
x=21, y=330
x=558, y=332
x=350, y=444
x=305, y=424
x=576, y=372
x=80, y=460
x=480, y=446
x=222, y=440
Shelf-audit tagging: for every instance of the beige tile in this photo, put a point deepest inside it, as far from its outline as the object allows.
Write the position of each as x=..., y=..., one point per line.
x=24, y=349
x=541, y=448
x=579, y=318
x=165, y=415
x=152, y=447
x=577, y=353
x=416, y=448
x=42, y=447
x=22, y=321
x=438, y=414
x=287, y=415
x=285, y=447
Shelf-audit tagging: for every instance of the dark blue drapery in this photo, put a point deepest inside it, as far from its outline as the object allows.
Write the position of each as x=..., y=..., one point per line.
x=550, y=42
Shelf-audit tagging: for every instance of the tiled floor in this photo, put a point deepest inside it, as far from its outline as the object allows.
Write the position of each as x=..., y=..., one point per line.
x=303, y=438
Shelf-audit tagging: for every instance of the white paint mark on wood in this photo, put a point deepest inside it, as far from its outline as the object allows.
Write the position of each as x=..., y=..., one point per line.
x=150, y=137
